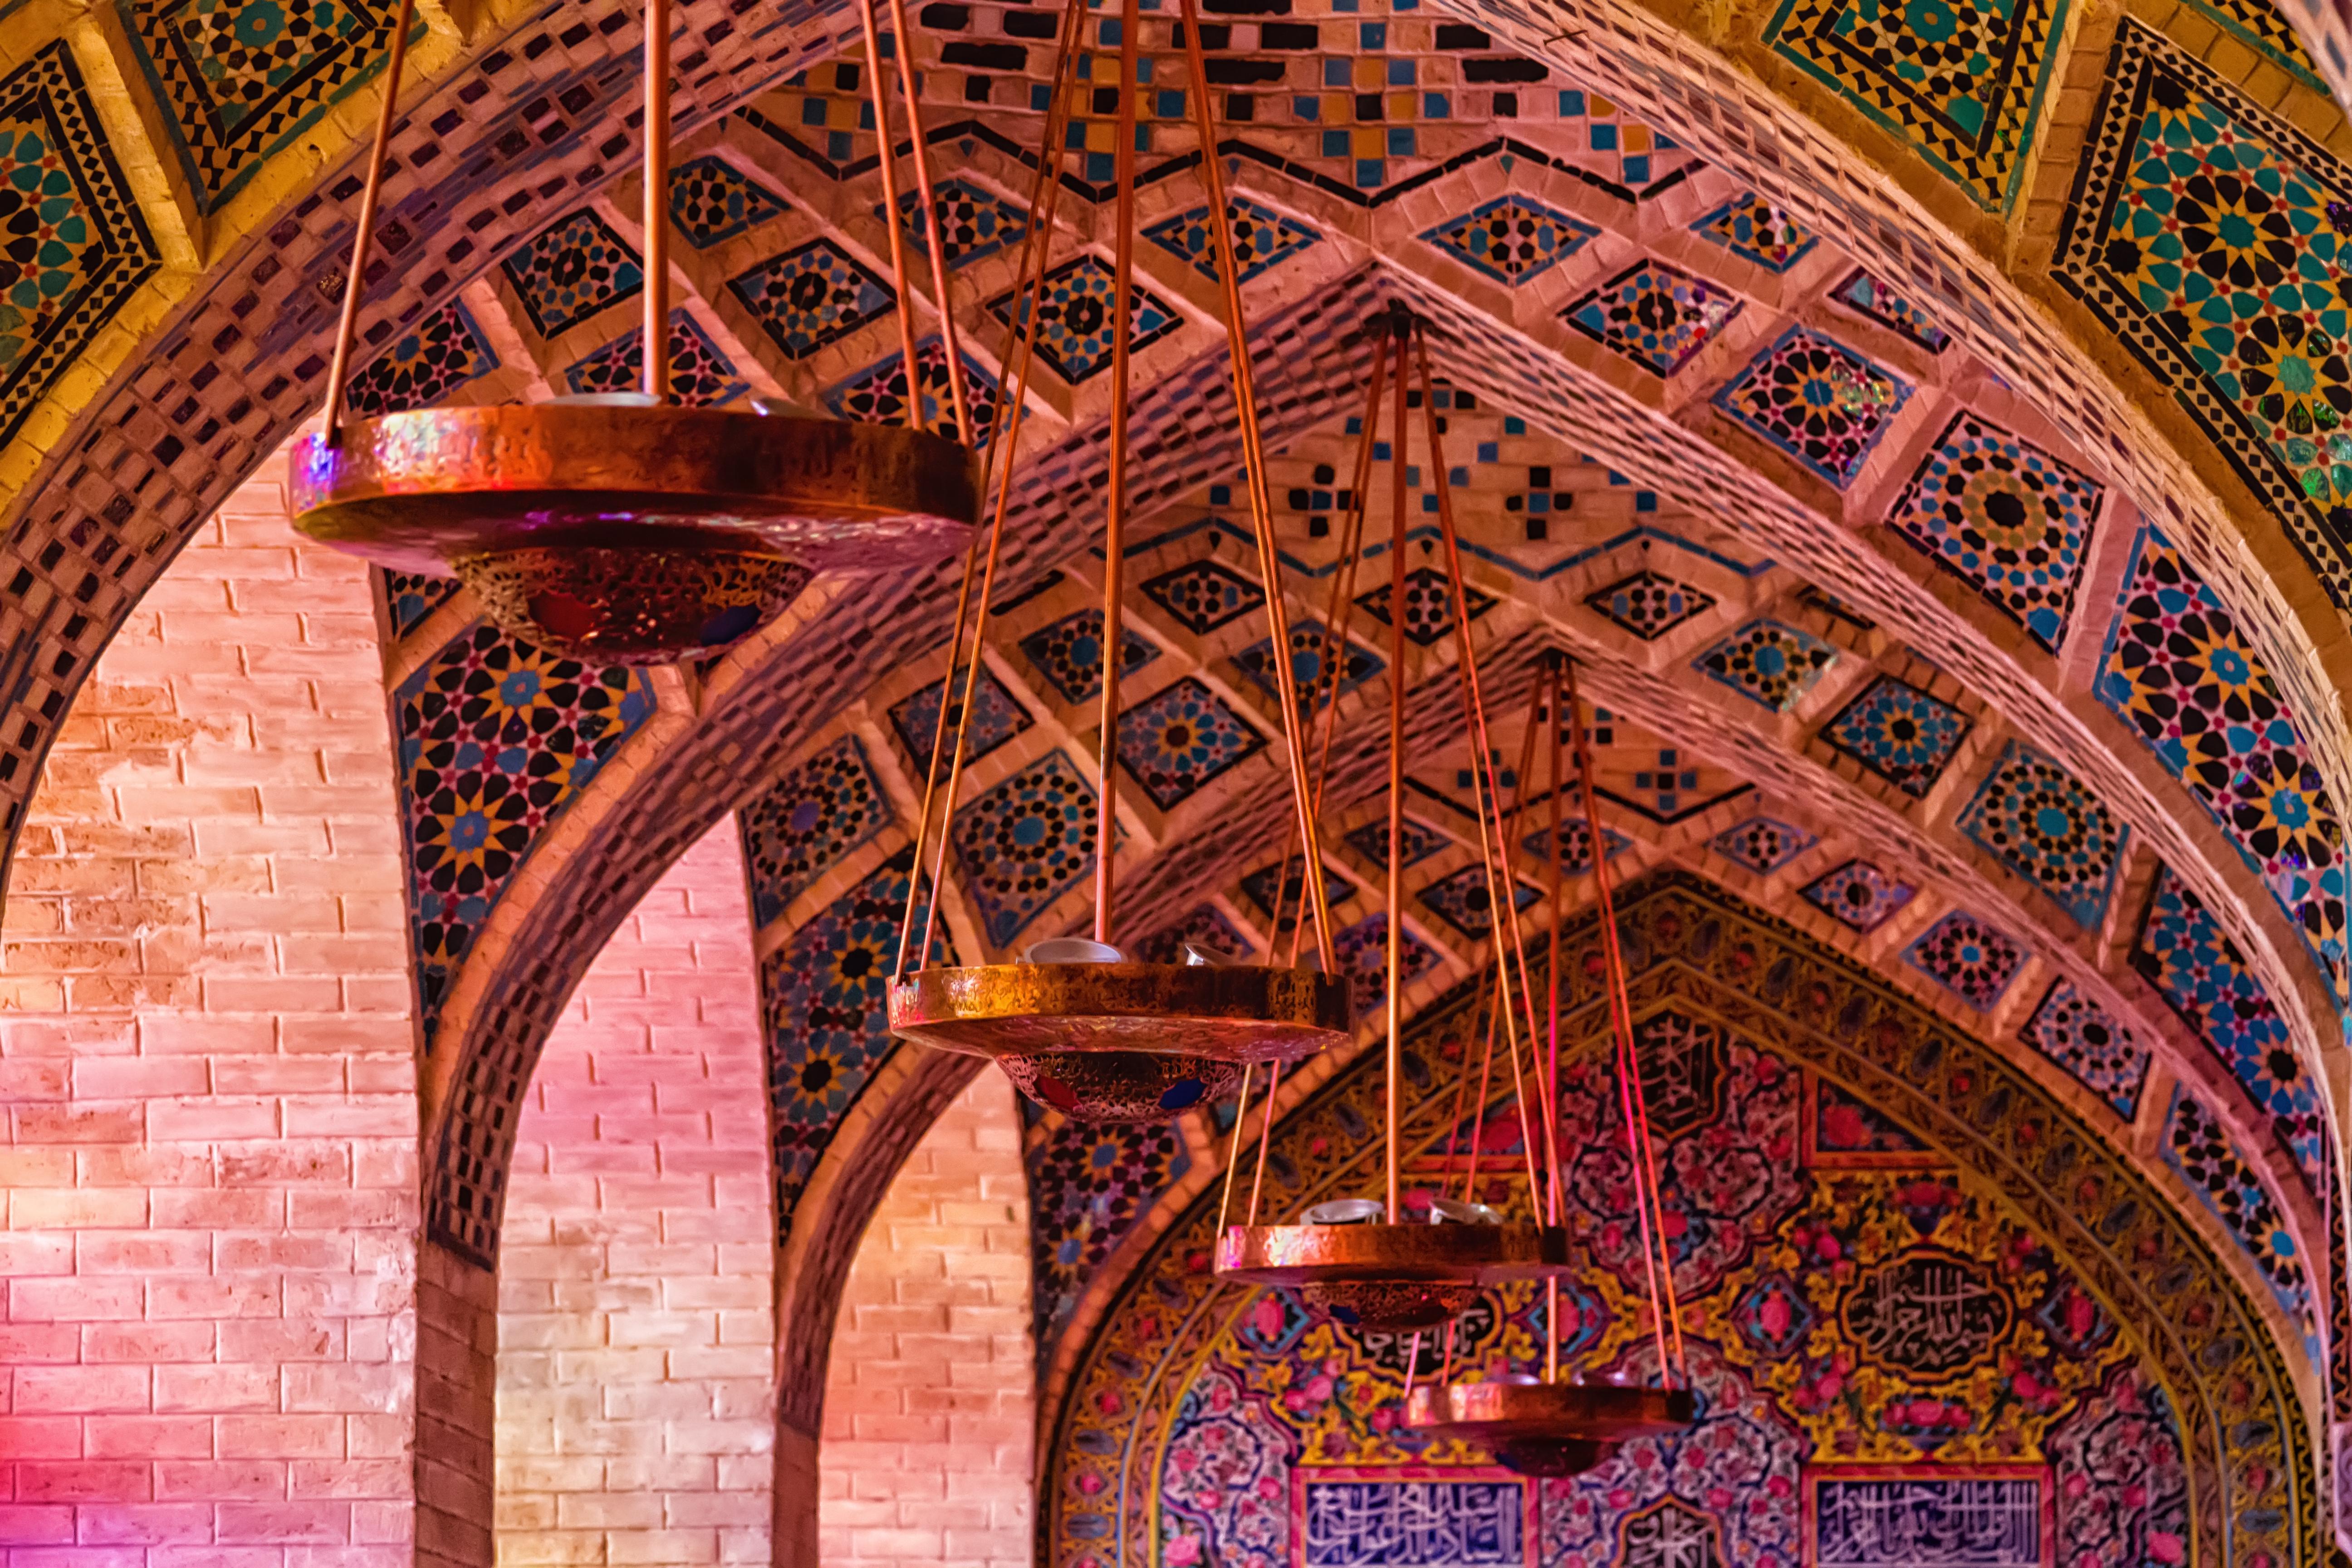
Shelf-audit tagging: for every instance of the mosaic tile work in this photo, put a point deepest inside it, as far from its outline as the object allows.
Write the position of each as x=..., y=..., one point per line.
x=2006, y=518
x=1754, y=229
x=1074, y=325
x=1416, y=842
x=1177, y=741
x=799, y=829
x=1860, y=894
x=1308, y=639
x=1204, y=927
x=1900, y=733
x=1464, y=901
x=2185, y=954
x=877, y=394
x=1655, y=315
x=58, y=179
x=974, y=223
x=1025, y=843
x=700, y=377
x=496, y=740
x=1763, y=845
x=1263, y=238
x=2198, y=1144
x=1428, y=604
x=825, y=1003
x=2103, y=1055
x=2178, y=670
x=1361, y=954
x=1649, y=605
x=1974, y=959
x=240, y=80
x=410, y=596
x=1069, y=654
x=1895, y=312
x=996, y=717
x=1204, y=595
x=1575, y=846
x=2037, y=819
x=571, y=271
x=1818, y=401
x=440, y=353
x=1770, y=662
x=1961, y=83
x=2213, y=240
x=1258, y=886
x=711, y=201
x=812, y=296
x=1087, y=1187
x=1511, y=239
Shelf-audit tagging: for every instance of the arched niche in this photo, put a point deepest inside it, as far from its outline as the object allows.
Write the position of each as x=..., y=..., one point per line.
x=1918, y=1295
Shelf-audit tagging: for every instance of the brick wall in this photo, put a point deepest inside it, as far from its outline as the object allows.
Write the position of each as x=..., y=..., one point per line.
x=929, y=1402
x=637, y=1324
x=208, y=1152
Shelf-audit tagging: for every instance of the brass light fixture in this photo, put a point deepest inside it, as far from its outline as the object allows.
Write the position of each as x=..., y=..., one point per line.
x=624, y=526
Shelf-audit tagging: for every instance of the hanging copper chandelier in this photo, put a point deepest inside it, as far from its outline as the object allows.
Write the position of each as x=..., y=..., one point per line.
x=1106, y=1039
x=1551, y=1424
x=625, y=526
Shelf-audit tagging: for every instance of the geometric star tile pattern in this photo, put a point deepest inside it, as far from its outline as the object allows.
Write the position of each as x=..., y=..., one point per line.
x=1865, y=294
x=1361, y=952
x=1026, y=842
x=1177, y=741
x=974, y=223
x=410, y=596
x=1751, y=227
x=711, y=201
x=1860, y=894
x=1768, y=662
x=2006, y=518
x=1655, y=315
x=996, y=717
x=441, y=352
x=1416, y=841
x=1316, y=686
x=1206, y=926
x=497, y=738
x=239, y=80
x=2211, y=238
x=2185, y=954
x=1069, y=654
x=1466, y=901
x=817, y=813
x=877, y=394
x=699, y=375
x=2198, y=1144
x=812, y=296
x=2038, y=819
x=1428, y=604
x=59, y=180
x=1649, y=605
x=1511, y=239
x=1204, y=595
x=571, y=269
x=1259, y=886
x=2176, y=668
x=1089, y=1185
x=1818, y=401
x=1763, y=845
x=823, y=1000
x=1961, y=82
x=1575, y=842
x=1974, y=959
x=1075, y=335
x=1263, y=238
x=2076, y=1032
x=1900, y=733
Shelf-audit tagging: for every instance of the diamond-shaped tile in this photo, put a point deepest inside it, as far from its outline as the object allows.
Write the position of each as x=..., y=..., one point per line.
x=996, y=717
x=1860, y=894
x=1649, y=605
x=571, y=269
x=1428, y=603
x=2041, y=822
x=1900, y=733
x=812, y=296
x=1362, y=953
x=1316, y=685
x=712, y=201
x=1768, y=661
x=1263, y=238
x=1206, y=926
x=2076, y=1032
x=1821, y=402
x=877, y=394
x=1975, y=958
x=974, y=222
x=1204, y=595
x=1025, y=843
x=1748, y=226
x=1074, y=333
x=1511, y=239
x=1762, y=843
x=1179, y=740
x=699, y=375
x=1575, y=846
x=1259, y=888
x=1069, y=653
x=1416, y=839
x=438, y=355
x=1867, y=295
x=1655, y=315
x=1465, y=900
x=2197, y=1144
x=799, y=829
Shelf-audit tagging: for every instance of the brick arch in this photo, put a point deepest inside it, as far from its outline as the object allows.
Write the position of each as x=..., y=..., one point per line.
x=2231, y=1366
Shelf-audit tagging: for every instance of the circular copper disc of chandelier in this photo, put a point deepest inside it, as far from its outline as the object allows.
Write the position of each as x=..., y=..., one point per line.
x=633, y=532
x=1122, y=1042
x=1538, y=1428
x=1390, y=1277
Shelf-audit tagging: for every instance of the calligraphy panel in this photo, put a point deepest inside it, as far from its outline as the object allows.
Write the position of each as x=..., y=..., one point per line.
x=1383, y=1518
x=1886, y=1518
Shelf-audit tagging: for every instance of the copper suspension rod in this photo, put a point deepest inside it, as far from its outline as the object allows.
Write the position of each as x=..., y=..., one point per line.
x=347, y=326
x=657, y=355
x=892, y=218
x=1392, y=1103
x=958, y=397
x=1115, y=519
